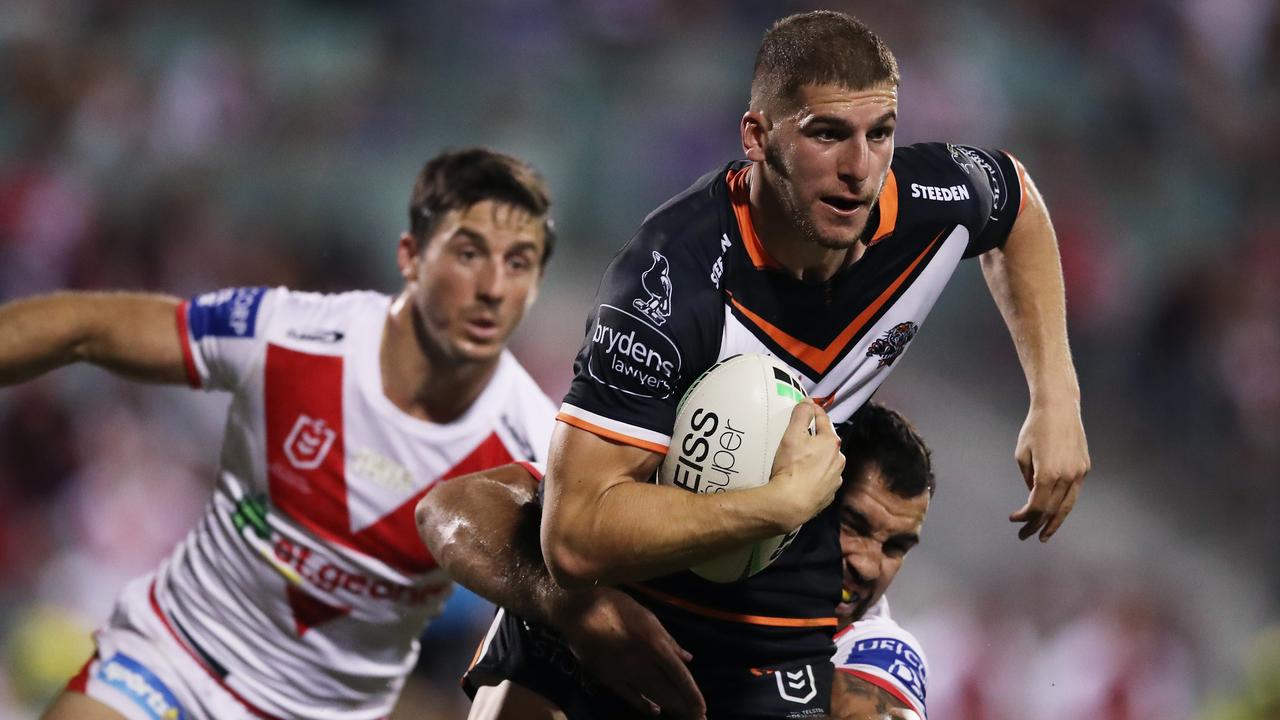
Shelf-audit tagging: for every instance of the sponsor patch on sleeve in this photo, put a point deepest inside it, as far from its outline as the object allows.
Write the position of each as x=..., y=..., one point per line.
x=971, y=158
x=632, y=356
x=895, y=657
x=225, y=313
x=140, y=685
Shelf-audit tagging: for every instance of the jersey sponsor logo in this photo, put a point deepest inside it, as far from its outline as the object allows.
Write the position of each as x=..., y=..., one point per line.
x=717, y=270
x=632, y=356
x=656, y=282
x=936, y=192
x=889, y=346
x=331, y=578
x=379, y=469
x=226, y=313
x=316, y=335
x=895, y=657
x=968, y=158
x=797, y=686
x=308, y=442
x=139, y=684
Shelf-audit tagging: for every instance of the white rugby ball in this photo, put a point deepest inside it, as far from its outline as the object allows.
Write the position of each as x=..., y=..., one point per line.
x=728, y=426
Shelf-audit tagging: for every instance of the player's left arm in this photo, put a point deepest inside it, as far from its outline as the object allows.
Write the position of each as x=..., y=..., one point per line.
x=1025, y=279
x=853, y=698
x=483, y=530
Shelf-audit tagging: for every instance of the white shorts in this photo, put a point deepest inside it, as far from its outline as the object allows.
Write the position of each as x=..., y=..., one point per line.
x=143, y=670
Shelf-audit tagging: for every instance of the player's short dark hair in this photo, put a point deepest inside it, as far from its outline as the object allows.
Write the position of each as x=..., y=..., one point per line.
x=822, y=47
x=879, y=435
x=458, y=179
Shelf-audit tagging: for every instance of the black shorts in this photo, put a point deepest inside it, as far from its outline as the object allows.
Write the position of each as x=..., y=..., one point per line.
x=535, y=657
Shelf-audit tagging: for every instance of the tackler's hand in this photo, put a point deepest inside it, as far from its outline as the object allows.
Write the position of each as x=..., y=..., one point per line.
x=624, y=647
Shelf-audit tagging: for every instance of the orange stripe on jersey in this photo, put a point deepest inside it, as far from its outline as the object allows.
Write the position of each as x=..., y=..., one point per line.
x=820, y=359
x=888, y=209
x=611, y=434
x=740, y=197
x=732, y=617
x=476, y=658
x=824, y=401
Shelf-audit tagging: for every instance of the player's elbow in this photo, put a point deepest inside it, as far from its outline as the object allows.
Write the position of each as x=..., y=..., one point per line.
x=571, y=570
x=431, y=518
x=569, y=567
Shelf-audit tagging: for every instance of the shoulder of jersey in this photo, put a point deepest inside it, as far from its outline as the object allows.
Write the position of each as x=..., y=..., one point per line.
x=323, y=322
x=881, y=649
x=940, y=183
x=687, y=229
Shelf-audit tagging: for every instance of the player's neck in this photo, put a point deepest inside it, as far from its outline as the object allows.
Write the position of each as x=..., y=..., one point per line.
x=799, y=256
x=421, y=380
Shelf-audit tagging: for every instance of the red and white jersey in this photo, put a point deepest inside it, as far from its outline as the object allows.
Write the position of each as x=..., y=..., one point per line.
x=305, y=585
x=881, y=652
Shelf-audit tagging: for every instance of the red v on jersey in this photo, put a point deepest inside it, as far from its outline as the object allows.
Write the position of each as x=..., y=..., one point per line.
x=306, y=460
x=308, y=610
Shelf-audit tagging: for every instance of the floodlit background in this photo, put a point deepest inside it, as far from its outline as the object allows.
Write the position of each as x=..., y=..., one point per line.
x=183, y=147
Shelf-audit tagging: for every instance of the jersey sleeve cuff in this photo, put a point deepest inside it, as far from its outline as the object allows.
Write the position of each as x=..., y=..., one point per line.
x=613, y=430
x=188, y=355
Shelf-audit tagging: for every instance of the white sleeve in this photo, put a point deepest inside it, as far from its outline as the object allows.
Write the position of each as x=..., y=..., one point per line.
x=224, y=333
x=882, y=653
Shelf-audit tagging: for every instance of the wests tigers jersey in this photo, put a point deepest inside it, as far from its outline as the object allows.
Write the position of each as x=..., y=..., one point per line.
x=696, y=285
x=305, y=585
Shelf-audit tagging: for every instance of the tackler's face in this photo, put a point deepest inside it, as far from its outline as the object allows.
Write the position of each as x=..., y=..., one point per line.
x=827, y=160
x=877, y=529
x=474, y=278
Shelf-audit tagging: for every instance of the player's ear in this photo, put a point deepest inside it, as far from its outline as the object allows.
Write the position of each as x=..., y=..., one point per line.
x=407, y=256
x=754, y=129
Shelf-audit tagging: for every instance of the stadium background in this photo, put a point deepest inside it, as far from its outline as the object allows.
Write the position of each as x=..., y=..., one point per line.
x=160, y=145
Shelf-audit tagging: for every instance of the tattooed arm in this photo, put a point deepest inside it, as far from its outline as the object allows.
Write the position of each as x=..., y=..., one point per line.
x=853, y=698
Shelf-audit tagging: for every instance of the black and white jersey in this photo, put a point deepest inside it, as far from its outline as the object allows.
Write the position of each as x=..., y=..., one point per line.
x=696, y=285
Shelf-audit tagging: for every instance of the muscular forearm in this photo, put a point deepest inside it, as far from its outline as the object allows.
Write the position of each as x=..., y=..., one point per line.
x=604, y=524
x=1025, y=278
x=484, y=533
x=131, y=334
x=635, y=531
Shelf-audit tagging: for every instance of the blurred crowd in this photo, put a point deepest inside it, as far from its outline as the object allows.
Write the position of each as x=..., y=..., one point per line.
x=181, y=147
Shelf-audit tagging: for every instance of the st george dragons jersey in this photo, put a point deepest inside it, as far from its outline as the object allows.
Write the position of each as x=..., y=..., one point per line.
x=696, y=285
x=305, y=586
x=879, y=651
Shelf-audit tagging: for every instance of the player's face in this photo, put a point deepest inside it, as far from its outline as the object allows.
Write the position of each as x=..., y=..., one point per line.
x=474, y=278
x=827, y=161
x=877, y=529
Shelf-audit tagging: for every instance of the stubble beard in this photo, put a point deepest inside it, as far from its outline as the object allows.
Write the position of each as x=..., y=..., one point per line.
x=801, y=218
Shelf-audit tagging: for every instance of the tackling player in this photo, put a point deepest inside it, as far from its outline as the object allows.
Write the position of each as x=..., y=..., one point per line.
x=302, y=590
x=827, y=249
x=524, y=669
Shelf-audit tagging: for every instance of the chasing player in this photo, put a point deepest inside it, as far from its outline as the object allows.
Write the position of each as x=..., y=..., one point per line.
x=524, y=669
x=302, y=590
x=826, y=249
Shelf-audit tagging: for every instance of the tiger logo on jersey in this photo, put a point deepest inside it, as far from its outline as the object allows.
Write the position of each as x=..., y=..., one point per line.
x=656, y=282
x=891, y=345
